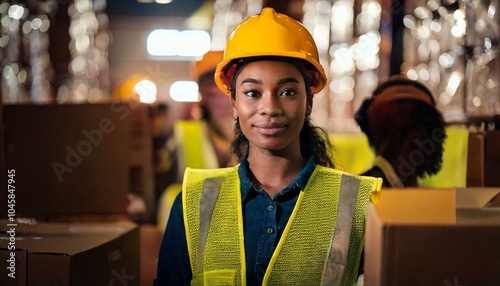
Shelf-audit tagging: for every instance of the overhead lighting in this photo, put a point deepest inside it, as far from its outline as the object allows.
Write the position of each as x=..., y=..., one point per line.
x=16, y=12
x=184, y=91
x=157, y=1
x=146, y=90
x=188, y=43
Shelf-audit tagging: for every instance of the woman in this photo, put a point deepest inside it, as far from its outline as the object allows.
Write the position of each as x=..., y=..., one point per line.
x=282, y=216
x=411, y=146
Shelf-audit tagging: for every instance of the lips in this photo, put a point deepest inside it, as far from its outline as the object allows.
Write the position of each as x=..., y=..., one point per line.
x=269, y=128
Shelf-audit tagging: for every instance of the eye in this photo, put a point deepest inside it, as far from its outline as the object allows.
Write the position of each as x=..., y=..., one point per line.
x=251, y=93
x=288, y=92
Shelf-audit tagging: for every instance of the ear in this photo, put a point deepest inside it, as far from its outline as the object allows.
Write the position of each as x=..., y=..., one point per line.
x=309, y=104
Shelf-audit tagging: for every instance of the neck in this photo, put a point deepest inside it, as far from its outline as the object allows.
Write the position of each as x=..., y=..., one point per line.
x=272, y=172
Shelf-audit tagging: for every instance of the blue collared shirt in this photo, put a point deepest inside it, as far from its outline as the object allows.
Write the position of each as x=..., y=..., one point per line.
x=264, y=220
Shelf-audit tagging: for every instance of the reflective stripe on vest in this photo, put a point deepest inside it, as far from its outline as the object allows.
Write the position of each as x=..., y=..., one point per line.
x=320, y=245
x=216, y=248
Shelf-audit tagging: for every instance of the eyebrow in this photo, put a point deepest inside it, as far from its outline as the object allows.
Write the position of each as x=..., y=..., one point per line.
x=281, y=81
x=250, y=80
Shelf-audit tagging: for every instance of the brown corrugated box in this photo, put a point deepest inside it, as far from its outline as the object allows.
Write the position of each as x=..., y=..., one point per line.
x=78, y=160
x=150, y=247
x=475, y=159
x=74, y=166
x=433, y=237
x=72, y=254
x=483, y=159
x=69, y=159
x=492, y=159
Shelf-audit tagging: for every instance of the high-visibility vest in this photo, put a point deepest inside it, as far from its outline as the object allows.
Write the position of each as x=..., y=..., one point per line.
x=321, y=243
x=194, y=150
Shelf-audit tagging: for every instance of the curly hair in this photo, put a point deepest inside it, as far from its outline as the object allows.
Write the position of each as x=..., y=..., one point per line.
x=392, y=123
x=313, y=142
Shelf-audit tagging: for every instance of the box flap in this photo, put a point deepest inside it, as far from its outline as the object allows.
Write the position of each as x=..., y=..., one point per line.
x=66, y=239
x=467, y=198
x=478, y=216
x=416, y=206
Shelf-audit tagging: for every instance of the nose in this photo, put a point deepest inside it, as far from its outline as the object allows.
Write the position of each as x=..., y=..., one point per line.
x=270, y=105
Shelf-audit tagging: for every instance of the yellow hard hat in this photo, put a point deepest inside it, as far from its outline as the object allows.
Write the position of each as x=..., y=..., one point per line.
x=270, y=34
x=207, y=64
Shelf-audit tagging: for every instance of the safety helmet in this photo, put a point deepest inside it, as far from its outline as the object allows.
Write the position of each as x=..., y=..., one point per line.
x=270, y=34
x=207, y=64
x=395, y=88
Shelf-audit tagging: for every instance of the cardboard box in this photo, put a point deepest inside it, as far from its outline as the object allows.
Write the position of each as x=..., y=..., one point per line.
x=475, y=160
x=78, y=160
x=492, y=159
x=151, y=239
x=68, y=159
x=75, y=165
x=433, y=237
x=72, y=254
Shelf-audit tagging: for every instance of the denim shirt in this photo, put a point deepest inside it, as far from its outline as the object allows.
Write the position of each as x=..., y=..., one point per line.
x=264, y=220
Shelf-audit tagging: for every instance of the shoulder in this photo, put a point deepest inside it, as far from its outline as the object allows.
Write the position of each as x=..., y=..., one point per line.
x=211, y=172
x=196, y=178
x=327, y=170
x=365, y=177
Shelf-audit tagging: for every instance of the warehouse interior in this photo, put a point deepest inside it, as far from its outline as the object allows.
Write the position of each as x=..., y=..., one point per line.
x=86, y=154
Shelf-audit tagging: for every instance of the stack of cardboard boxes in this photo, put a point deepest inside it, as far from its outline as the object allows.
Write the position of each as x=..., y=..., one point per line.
x=433, y=237
x=74, y=166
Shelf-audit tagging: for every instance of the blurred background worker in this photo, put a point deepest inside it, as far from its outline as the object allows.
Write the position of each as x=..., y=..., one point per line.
x=405, y=129
x=213, y=120
x=139, y=92
x=204, y=142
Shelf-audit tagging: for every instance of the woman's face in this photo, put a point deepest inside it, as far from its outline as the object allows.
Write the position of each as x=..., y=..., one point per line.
x=271, y=104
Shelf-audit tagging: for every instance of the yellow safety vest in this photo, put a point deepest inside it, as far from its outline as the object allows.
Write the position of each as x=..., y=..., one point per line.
x=321, y=243
x=194, y=147
x=194, y=150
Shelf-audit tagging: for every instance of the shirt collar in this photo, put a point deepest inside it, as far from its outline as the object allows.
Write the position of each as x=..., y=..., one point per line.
x=300, y=181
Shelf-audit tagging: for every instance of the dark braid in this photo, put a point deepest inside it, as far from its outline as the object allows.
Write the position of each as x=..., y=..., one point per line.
x=239, y=146
x=314, y=141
